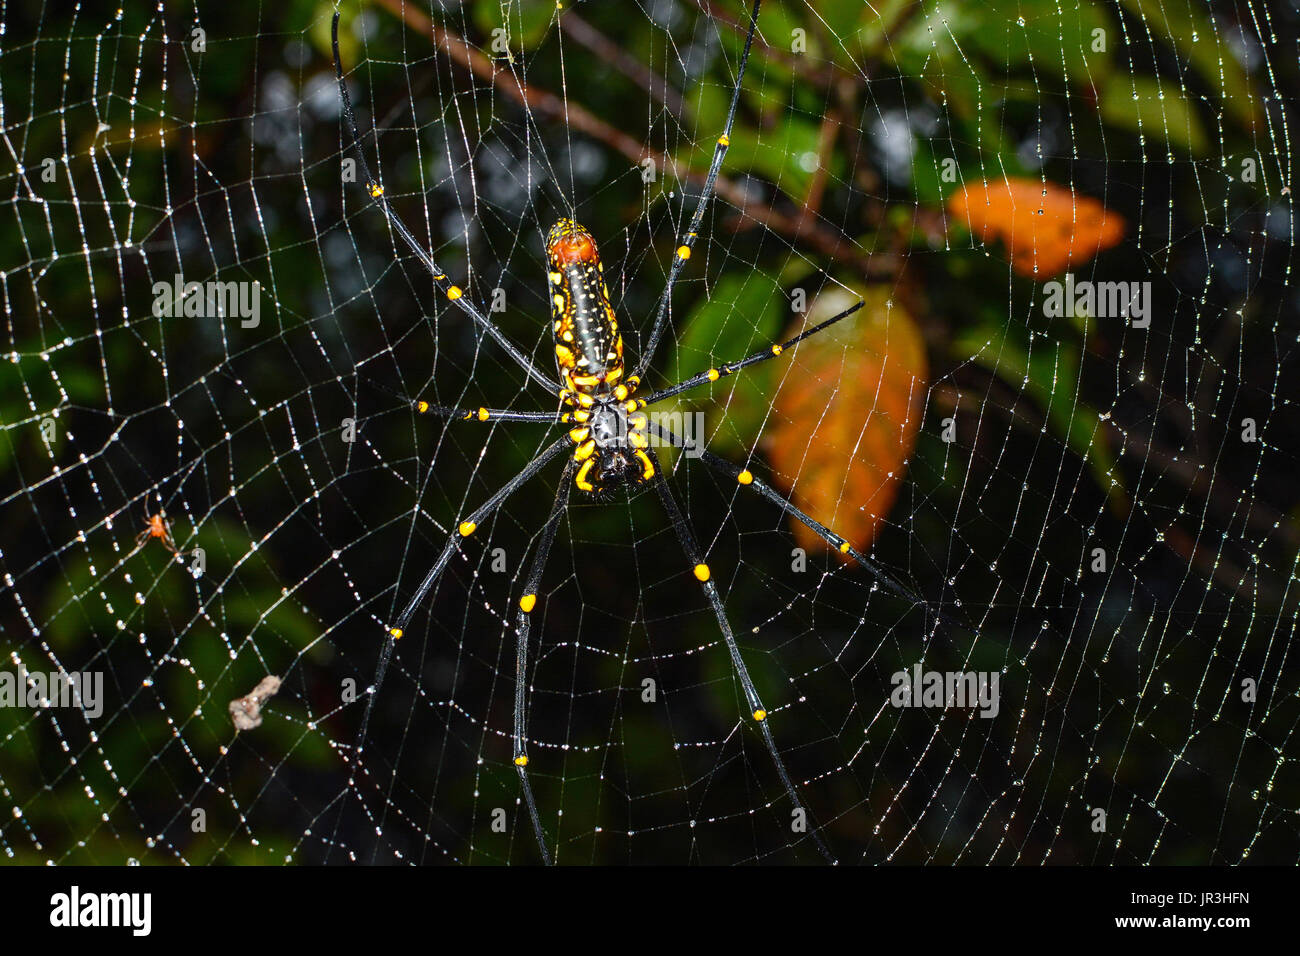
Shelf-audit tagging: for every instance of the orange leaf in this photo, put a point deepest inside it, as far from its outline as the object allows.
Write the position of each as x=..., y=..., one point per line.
x=847, y=415
x=1042, y=225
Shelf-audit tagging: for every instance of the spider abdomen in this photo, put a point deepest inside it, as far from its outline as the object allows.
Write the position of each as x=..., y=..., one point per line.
x=588, y=347
x=611, y=437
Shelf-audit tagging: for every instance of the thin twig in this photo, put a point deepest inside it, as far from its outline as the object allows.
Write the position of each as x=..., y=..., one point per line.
x=538, y=100
x=609, y=51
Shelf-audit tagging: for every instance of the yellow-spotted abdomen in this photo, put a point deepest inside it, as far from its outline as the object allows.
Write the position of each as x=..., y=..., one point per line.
x=588, y=347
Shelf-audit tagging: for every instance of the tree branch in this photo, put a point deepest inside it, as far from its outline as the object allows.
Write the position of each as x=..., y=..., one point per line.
x=796, y=228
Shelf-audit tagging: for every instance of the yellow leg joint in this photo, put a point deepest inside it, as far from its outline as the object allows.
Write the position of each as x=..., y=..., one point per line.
x=422, y=407
x=376, y=190
x=483, y=414
x=527, y=603
x=454, y=293
x=521, y=760
x=844, y=548
x=581, y=480
x=714, y=375
x=776, y=350
x=760, y=715
x=683, y=252
x=724, y=141
x=647, y=467
x=745, y=478
x=702, y=572
x=467, y=528
x=396, y=632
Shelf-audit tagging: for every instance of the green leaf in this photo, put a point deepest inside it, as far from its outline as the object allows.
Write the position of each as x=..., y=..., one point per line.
x=1154, y=108
x=787, y=155
x=1015, y=33
x=1191, y=32
x=525, y=22
x=1048, y=372
x=742, y=314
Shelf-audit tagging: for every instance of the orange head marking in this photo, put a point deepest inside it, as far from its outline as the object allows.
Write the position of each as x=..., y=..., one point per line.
x=568, y=242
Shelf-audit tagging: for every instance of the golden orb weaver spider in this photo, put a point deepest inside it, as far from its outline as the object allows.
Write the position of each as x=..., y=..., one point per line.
x=608, y=440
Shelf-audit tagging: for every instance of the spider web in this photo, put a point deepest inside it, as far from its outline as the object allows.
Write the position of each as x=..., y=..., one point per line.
x=150, y=143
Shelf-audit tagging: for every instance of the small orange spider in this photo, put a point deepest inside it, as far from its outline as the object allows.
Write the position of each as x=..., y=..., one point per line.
x=157, y=526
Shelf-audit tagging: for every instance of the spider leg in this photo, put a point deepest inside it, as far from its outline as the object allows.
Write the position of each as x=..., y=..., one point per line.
x=464, y=530
x=523, y=621
x=485, y=414
x=713, y=374
x=745, y=478
x=464, y=414
x=452, y=292
x=688, y=241
x=757, y=710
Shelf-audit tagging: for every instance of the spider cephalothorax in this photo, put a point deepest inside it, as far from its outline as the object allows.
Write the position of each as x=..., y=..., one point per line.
x=610, y=431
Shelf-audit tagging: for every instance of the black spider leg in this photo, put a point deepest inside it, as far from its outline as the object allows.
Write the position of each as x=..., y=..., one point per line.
x=452, y=292
x=745, y=478
x=757, y=710
x=464, y=530
x=713, y=374
x=462, y=414
x=523, y=622
x=687, y=242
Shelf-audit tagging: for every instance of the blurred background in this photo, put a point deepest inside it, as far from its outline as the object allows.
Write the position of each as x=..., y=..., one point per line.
x=945, y=163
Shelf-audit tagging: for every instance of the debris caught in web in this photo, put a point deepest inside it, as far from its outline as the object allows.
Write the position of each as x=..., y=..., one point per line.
x=246, y=712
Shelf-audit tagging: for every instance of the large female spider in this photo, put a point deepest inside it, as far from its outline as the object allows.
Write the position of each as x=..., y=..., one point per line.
x=608, y=442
